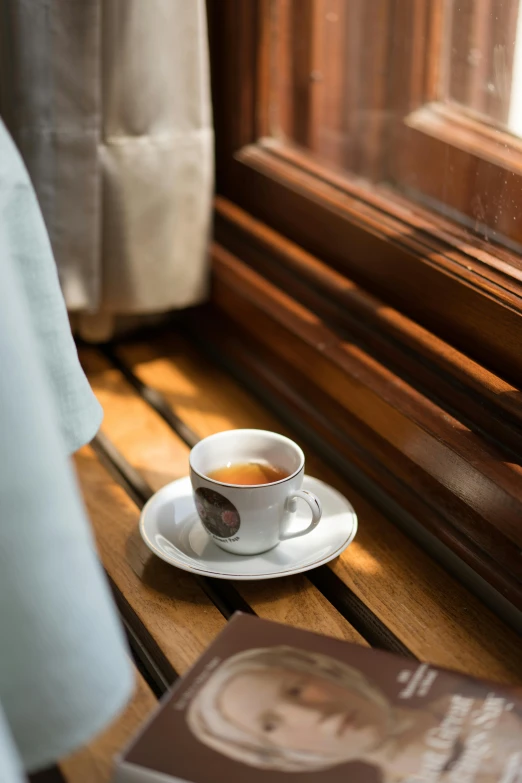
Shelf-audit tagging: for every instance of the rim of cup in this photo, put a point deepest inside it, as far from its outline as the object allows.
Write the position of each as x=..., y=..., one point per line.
x=246, y=432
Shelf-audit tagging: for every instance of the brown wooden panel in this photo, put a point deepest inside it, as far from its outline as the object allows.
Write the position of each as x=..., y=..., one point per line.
x=443, y=164
x=471, y=174
x=442, y=447
x=235, y=109
x=431, y=613
x=395, y=478
x=430, y=364
x=400, y=465
x=172, y=614
x=384, y=548
x=326, y=92
x=295, y=41
x=95, y=762
x=451, y=293
x=162, y=457
x=456, y=285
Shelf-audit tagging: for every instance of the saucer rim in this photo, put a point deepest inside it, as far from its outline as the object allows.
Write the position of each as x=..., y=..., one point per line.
x=185, y=566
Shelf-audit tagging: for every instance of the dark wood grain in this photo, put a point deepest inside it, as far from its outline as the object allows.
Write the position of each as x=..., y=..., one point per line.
x=236, y=66
x=446, y=375
x=460, y=298
x=446, y=161
x=438, y=458
x=458, y=286
x=326, y=94
x=438, y=308
x=458, y=162
x=296, y=40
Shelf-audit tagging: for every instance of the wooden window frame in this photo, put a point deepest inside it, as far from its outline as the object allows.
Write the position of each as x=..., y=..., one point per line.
x=315, y=257
x=462, y=292
x=444, y=153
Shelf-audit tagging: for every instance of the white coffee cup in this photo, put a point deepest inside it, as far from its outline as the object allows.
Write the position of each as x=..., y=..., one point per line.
x=249, y=519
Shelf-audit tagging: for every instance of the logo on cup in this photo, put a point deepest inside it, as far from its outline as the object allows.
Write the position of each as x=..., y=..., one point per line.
x=219, y=516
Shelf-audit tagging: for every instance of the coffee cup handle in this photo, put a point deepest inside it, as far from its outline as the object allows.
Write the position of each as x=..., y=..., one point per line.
x=315, y=507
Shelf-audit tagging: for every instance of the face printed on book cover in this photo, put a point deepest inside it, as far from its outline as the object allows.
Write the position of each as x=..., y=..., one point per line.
x=303, y=712
x=292, y=710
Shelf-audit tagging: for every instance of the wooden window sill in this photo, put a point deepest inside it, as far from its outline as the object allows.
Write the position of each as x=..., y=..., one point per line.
x=160, y=394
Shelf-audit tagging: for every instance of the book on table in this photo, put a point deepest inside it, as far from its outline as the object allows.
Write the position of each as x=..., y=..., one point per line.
x=272, y=704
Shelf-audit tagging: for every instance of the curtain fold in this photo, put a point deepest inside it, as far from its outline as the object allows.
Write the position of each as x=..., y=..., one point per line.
x=26, y=241
x=109, y=103
x=64, y=670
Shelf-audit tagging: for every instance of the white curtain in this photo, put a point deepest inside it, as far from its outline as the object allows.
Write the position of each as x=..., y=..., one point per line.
x=109, y=103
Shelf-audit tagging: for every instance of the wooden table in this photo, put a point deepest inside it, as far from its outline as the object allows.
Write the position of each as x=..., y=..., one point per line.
x=160, y=396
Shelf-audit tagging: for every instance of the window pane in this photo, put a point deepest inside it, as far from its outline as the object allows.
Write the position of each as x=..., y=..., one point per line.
x=484, y=60
x=423, y=96
x=318, y=100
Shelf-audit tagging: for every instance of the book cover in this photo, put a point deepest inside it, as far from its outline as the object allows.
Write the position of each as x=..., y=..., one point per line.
x=272, y=704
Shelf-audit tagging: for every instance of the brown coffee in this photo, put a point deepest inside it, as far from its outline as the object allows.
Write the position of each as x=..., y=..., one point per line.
x=249, y=473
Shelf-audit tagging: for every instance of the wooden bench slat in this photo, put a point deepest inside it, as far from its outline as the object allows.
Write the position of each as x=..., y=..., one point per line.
x=432, y=613
x=150, y=446
x=95, y=762
x=180, y=619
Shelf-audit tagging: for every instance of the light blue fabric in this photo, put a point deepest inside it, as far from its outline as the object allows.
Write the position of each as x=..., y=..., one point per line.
x=10, y=767
x=32, y=259
x=64, y=669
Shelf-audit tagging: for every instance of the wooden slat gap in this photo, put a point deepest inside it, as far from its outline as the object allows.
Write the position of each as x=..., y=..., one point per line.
x=50, y=775
x=158, y=676
x=356, y=612
x=333, y=589
x=222, y=594
x=153, y=397
x=288, y=410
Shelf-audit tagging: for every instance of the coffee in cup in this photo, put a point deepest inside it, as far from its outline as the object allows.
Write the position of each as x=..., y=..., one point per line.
x=253, y=473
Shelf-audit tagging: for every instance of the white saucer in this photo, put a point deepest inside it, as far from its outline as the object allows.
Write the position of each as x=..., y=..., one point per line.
x=171, y=528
